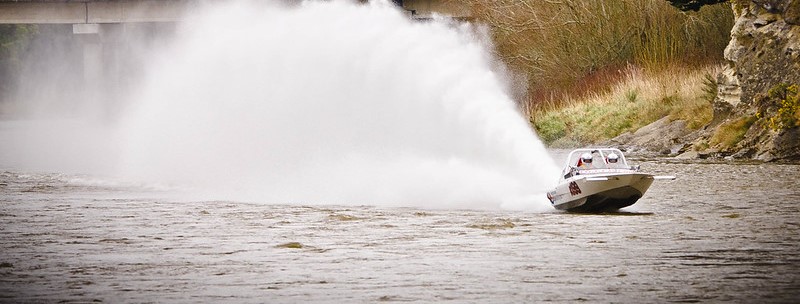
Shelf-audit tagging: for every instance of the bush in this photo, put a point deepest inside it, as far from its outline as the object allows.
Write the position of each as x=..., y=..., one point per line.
x=787, y=101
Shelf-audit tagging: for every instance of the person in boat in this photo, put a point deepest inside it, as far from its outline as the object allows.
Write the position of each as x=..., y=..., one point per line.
x=585, y=162
x=612, y=160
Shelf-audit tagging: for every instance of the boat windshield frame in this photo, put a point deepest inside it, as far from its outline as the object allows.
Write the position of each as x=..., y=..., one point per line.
x=601, y=154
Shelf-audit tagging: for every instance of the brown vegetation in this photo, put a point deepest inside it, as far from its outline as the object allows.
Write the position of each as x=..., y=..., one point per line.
x=568, y=49
x=640, y=98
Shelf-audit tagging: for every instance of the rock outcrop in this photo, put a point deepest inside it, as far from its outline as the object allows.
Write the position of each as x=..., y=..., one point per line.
x=764, y=57
x=756, y=111
x=662, y=137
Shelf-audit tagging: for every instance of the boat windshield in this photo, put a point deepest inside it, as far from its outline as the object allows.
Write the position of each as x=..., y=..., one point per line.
x=604, y=158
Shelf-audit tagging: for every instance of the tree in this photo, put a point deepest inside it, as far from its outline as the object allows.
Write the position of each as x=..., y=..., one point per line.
x=693, y=5
x=14, y=40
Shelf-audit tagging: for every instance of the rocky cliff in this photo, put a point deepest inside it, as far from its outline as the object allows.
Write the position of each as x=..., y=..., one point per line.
x=756, y=110
x=758, y=91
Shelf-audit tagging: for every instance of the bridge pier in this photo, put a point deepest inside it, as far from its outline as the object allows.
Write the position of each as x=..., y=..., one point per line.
x=94, y=90
x=111, y=57
x=102, y=50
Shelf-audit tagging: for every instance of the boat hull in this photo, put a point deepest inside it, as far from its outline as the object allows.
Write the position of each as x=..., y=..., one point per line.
x=598, y=193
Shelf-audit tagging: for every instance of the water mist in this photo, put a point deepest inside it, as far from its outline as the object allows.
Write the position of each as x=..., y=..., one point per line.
x=330, y=103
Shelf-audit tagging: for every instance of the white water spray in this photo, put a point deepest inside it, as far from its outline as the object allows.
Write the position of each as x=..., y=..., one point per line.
x=332, y=103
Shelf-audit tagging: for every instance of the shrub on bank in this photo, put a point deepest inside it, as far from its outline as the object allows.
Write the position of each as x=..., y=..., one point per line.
x=786, y=101
x=728, y=134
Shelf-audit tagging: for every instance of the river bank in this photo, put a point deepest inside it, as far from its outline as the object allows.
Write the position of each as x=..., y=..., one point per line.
x=746, y=108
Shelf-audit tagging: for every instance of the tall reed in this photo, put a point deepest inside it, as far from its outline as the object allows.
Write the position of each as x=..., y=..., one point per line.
x=571, y=48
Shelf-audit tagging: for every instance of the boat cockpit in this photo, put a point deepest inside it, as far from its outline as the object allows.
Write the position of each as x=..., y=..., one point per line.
x=594, y=161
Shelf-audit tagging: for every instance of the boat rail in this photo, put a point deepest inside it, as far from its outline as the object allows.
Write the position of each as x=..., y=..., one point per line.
x=599, y=164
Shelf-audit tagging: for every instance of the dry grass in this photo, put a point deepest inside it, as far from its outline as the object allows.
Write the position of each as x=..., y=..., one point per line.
x=638, y=99
x=573, y=48
x=731, y=133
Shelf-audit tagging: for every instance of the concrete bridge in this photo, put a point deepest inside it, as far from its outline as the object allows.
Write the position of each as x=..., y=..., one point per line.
x=127, y=11
x=90, y=11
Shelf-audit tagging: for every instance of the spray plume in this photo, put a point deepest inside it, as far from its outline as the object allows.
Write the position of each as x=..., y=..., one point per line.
x=331, y=103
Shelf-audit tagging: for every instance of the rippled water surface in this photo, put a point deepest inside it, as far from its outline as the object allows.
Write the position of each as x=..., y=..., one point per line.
x=720, y=232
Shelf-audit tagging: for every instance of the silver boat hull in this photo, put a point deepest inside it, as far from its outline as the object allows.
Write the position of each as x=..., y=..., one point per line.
x=598, y=193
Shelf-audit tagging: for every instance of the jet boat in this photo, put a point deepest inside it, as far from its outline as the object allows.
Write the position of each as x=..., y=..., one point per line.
x=598, y=180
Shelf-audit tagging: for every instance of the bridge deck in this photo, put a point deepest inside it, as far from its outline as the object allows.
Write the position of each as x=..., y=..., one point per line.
x=123, y=11
x=92, y=11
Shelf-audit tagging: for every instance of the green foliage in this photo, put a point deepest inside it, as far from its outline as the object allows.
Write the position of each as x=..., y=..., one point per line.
x=693, y=5
x=787, y=100
x=14, y=40
x=550, y=128
x=710, y=88
x=632, y=95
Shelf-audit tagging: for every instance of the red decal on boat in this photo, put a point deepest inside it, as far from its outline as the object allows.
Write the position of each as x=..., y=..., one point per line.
x=574, y=189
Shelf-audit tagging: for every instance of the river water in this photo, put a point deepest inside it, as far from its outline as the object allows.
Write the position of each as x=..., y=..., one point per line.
x=721, y=232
